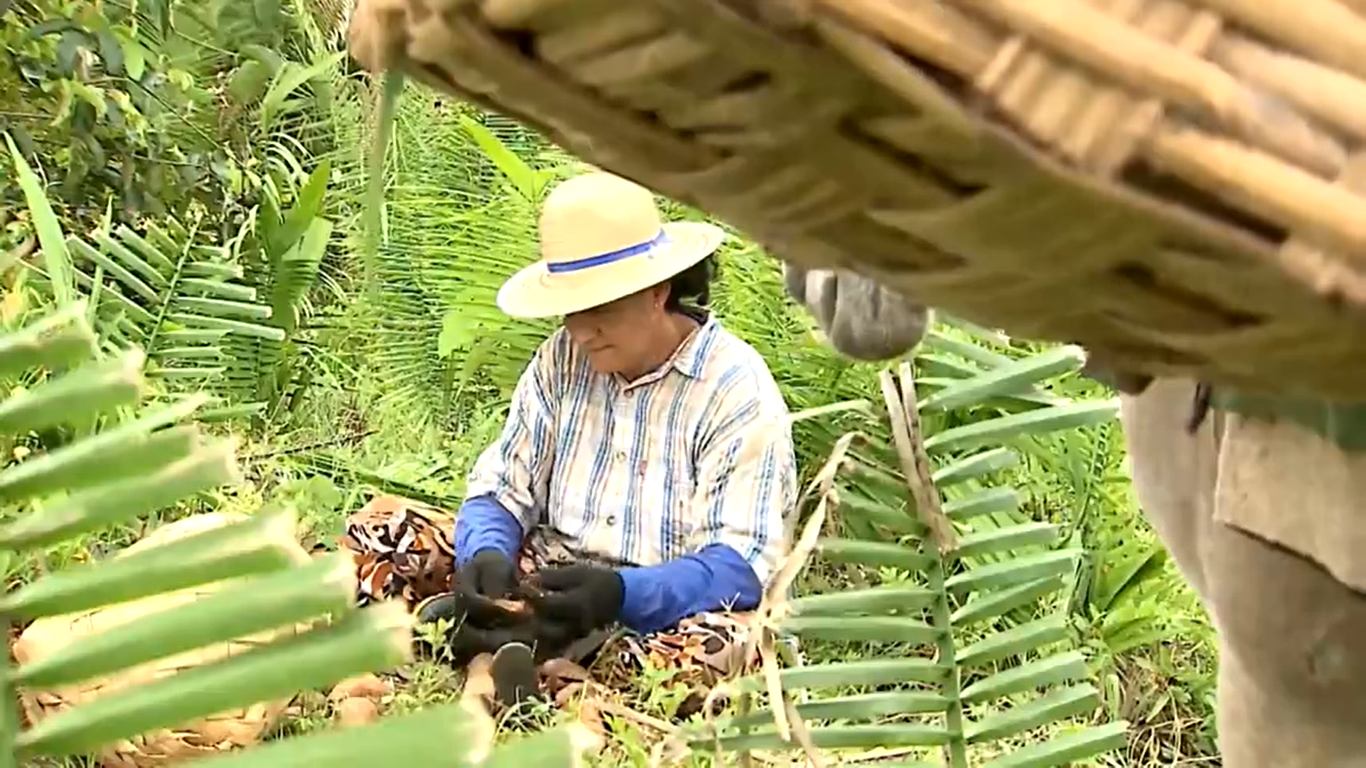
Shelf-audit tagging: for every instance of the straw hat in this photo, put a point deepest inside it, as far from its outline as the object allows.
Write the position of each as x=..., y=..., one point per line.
x=602, y=239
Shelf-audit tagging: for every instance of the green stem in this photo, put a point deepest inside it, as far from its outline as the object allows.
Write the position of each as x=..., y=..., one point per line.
x=955, y=752
x=924, y=494
x=171, y=290
x=9, y=707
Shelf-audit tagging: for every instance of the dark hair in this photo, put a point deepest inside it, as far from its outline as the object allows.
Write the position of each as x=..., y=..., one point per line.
x=690, y=290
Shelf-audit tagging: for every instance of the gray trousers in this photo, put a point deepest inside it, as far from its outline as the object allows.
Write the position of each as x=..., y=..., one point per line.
x=1268, y=523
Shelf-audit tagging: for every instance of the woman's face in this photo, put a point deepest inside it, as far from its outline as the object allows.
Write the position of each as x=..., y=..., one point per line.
x=618, y=336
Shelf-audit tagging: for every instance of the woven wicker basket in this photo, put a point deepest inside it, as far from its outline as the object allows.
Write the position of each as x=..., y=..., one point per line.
x=209, y=736
x=1172, y=184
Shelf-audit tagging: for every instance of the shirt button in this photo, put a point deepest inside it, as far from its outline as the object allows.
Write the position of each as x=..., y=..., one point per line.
x=611, y=519
x=621, y=456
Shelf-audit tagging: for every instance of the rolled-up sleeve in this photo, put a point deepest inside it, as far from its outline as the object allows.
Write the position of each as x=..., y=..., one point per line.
x=515, y=469
x=747, y=481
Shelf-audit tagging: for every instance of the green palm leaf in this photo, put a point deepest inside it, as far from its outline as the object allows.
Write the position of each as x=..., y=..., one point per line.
x=137, y=467
x=987, y=652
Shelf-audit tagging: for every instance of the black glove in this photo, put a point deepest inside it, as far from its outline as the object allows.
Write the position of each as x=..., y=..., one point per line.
x=461, y=607
x=581, y=597
x=489, y=573
x=479, y=625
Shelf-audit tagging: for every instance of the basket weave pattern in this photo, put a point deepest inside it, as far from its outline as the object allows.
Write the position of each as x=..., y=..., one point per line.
x=1175, y=185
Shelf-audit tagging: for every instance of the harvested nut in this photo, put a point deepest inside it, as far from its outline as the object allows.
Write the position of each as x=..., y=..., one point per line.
x=357, y=711
x=364, y=686
x=512, y=606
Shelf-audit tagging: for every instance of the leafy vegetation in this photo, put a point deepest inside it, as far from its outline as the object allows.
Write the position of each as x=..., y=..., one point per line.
x=192, y=324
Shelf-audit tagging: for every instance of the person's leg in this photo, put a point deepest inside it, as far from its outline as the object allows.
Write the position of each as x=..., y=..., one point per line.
x=1173, y=472
x=1264, y=520
x=701, y=651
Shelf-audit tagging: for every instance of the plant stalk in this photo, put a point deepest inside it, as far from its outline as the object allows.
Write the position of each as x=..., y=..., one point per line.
x=938, y=545
x=9, y=704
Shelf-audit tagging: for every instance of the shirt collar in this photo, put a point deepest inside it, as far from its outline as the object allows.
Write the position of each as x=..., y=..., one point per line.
x=690, y=356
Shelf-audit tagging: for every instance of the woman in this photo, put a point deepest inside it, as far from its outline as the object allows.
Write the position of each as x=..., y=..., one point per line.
x=647, y=463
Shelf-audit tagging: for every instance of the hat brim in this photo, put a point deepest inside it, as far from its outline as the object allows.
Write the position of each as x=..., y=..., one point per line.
x=535, y=292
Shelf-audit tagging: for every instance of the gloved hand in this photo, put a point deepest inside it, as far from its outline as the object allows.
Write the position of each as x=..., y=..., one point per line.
x=462, y=607
x=861, y=318
x=489, y=573
x=580, y=597
x=481, y=625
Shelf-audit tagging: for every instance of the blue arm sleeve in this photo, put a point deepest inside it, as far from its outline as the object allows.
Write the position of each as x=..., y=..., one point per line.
x=715, y=578
x=483, y=523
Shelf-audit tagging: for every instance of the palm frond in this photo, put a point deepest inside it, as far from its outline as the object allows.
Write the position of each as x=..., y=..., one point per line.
x=975, y=645
x=174, y=293
x=249, y=576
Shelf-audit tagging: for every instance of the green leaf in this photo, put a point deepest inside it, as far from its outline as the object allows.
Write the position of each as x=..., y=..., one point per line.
x=104, y=505
x=524, y=179
x=437, y=736
x=1035, y=675
x=872, y=553
x=159, y=12
x=1015, y=571
x=863, y=629
x=989, y=605
x=1006, y=539
x=59, y=340
x=250, y=330
x=455, y=334
x=55, y=257
x=261, y=544
x=984, y=502
x=1014, y=641
x=288, y=79
x=867, y=706
x=297, y=273
x=1132, y=574
x=847, y=673
x=1033, y=422
x=244, y=609
x=307, y=207
x=978, y=465
x=267, y=12
x=134, y=59
x=272, y=59
x=224, y=308
x=75, y=397
x=111, y=52
x=94, y=97
x=899, y=521
x=94, y=460
x=1049, y=708
x=374, y=638
x=128, y=259
x=874, y=600
x=1066, y=749
x=980, y=354
x=847, y=737
x=1007, y=379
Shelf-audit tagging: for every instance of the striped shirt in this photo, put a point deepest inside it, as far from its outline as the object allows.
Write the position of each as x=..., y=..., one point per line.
x=698, y=452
